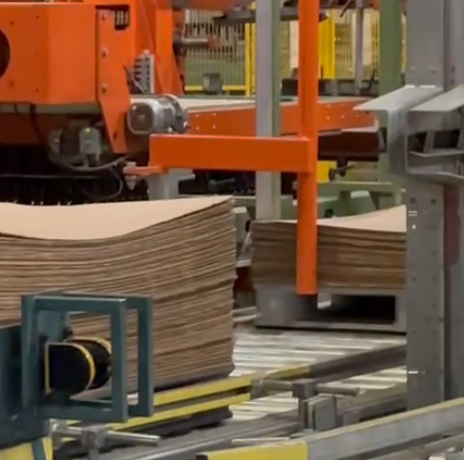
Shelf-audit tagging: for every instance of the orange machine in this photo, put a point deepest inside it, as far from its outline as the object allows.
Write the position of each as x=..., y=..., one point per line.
x=84, y=85
x=90, y=82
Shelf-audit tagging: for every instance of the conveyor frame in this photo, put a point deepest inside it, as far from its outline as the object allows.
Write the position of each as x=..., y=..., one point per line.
x=173, y=407
x=370, y=438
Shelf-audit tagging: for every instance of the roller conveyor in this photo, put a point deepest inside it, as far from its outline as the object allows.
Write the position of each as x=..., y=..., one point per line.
x=258, y=352
x=266, y=352
x=198, y=104
x=237, y=116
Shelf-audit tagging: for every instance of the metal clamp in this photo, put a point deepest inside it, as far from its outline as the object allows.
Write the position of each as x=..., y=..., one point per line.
x=425, y=110
x=305, y=390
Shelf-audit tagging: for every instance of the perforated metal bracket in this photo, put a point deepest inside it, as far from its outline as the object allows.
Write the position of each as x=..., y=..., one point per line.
x=415, y=115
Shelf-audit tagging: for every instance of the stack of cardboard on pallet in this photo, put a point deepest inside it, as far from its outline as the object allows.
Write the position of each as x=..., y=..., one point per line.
x=357, y=252
x=180, y=252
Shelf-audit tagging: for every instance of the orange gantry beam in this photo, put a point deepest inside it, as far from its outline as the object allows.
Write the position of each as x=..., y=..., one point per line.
x=238, y=153
x=225, y=139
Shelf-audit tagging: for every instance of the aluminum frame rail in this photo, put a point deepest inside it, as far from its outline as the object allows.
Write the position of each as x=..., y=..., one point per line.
x=372, y=437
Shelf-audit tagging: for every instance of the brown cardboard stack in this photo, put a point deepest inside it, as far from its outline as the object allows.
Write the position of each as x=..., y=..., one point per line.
x=180, y=252
x=357, y=252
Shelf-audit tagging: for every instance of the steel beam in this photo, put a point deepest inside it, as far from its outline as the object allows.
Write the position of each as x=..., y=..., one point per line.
x=267, y=80
x=422, y=150
x=390, y=69
x=387, y=432
x=362, y=439
x=390, y=46
x=435, y=286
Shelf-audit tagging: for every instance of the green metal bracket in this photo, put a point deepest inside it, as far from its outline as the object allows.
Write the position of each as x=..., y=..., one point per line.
x=47, y=316
x=24, y=406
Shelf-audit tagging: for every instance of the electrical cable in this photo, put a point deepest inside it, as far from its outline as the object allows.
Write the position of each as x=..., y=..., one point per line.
x=105, y=198
x=107, y=167
x=55, y=157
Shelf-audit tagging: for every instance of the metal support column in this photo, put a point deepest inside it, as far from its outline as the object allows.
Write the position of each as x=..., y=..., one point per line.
x=454, y=214
x=390, y=75
x=267, y=86
x=165, y=186
x=390, y=45
x=425, y=144
x=359, y=46
x=435, y=280
x=426, y=319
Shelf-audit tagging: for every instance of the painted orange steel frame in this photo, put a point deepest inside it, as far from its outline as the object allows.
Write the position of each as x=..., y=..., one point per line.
x=241, y=121
x=94, y=73
x=298, y=154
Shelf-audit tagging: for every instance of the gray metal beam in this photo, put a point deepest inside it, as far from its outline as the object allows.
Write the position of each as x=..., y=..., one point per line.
x=454, y=223
x=435, y=287
x=425, y=39
x=386, y=432
x=267, y=80
x=431, y=104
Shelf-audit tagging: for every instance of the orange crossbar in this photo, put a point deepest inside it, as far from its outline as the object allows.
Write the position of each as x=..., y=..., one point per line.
x=298, y=154
x=231, y=153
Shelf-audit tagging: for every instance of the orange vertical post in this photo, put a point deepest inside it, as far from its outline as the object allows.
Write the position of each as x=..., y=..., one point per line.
x=308, y=94
x=249, y=153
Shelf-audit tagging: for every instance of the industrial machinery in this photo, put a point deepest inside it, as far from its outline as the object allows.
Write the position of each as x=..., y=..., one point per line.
x=68, y=137
x=327, y=421
x=72, y=140
x=46, y=370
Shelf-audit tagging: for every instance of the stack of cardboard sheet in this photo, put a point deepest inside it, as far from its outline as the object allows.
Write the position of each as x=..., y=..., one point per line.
x=180, y=252
x=357, y=252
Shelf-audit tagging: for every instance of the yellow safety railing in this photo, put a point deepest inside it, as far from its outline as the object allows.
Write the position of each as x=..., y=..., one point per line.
x=228, y=59
x=235, y=59
x=345, y=32
x=289, y=50
x=327, y=47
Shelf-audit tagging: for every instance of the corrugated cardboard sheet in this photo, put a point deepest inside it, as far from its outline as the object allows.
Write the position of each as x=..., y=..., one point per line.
x=180, y=252
x=356, y=252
